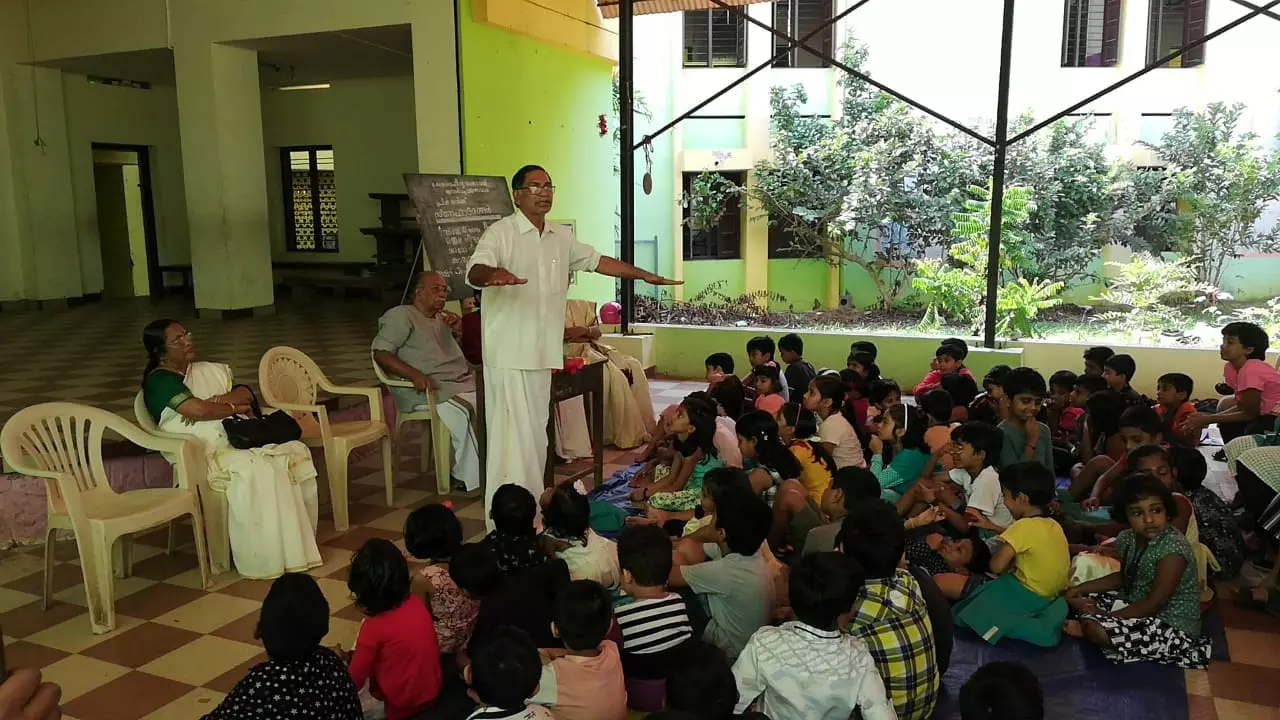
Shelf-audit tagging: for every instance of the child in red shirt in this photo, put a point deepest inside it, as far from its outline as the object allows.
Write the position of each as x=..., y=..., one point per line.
x=1173, y=404
x=396, y=651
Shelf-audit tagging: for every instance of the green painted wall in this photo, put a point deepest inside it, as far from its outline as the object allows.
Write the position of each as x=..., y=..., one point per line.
x=524, y=102
x=698, y=274
x=801, y=282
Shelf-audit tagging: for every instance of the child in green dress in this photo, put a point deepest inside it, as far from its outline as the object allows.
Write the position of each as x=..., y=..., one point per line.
x=695, y=455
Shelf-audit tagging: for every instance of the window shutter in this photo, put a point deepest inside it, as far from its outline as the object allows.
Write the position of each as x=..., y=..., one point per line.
x=782, y=23
x=1193, y=24
x=697, y=39
x=1111, y=10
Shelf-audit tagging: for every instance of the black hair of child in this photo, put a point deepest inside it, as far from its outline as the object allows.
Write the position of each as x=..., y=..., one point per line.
x=981, y=560
x=513, y=510
x=432, y=532
x=963, y=388
x=1134, y=457
x=911, y=420
x=865, y=346
x=1190, y=466
x=505, y=669
x=721, y=360
x=583, y=614
x=1025, y=381
x=475, y=570
x=1032, y=479
x=294, y=618
x=881, y=389
x=1136, y=487
x=1063, y=380
x=938, y=404
x=1091, y=384
x=996, y=376
x=762, y=344
x=870, y=370
x=822, y=587
x=873, y=535
x=1142, y=418
x=955, y=352
x=1251, y=336
x=645, y=552
x=957, y=343
x=729, y=395
x=859, y=485
x=1123, y=365
x=791, y=342
x=702, y=417
x=770, y=371
x=855, y=382
x=1105, y=409
x=983, y=438
x=1002, y=690
x=745, y=521
x=1180, y=382
x=568, y=513
x=1098, y=354
x=760, y=427
x=701, y=681
x=379, y=577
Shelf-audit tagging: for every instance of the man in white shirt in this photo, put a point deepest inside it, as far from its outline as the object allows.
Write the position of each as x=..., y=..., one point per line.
x=522, y=263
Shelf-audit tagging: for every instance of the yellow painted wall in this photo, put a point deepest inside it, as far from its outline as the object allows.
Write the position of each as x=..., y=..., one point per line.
x=125, y=116
x=372, y=150
x=570, y=24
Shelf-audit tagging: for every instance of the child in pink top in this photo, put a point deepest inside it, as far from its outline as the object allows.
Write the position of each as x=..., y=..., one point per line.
x=396, y=652
x=432, y=533
x=769, y=395
x=1256, y=403
x=584, y=681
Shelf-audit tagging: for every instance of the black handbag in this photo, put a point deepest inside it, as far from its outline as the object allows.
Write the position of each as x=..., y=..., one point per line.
x=260, y=430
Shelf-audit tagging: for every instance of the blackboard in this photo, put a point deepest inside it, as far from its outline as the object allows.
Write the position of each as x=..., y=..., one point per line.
x=453, y=212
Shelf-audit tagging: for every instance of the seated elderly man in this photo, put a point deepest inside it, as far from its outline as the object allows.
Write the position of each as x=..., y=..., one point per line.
x=417, y=342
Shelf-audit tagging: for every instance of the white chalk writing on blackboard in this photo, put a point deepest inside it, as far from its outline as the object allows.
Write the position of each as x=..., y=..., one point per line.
x=453, y=212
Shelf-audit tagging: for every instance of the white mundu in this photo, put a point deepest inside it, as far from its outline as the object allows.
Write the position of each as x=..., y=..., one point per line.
x=522, y=340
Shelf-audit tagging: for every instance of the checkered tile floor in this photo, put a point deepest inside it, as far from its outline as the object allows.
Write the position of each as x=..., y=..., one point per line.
x=178, y=649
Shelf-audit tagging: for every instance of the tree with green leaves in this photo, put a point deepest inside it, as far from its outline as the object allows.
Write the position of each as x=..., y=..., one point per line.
x=1222, y=180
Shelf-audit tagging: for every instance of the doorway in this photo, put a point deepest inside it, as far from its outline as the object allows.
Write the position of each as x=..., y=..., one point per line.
x=126, y=220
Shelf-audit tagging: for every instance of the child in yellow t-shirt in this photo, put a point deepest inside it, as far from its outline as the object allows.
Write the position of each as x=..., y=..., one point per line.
x=796, y=426
x=1033, y=562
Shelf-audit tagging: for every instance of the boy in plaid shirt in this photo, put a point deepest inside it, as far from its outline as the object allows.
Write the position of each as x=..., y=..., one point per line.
x=890, y=616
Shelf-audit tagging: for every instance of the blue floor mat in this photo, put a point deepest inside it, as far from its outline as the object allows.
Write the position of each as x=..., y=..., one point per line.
x=617, y=489
x=1078, y=683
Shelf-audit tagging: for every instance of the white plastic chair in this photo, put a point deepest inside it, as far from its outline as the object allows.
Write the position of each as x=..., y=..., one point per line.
x=289, y=380
x=62, y=443
x=212, y=503
x=435, y=435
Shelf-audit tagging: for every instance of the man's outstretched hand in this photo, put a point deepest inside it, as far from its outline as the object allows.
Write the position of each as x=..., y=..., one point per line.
x=500, y=277
x=659, y=280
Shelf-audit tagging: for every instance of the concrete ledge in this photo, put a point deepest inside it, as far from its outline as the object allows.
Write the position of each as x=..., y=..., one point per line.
x=640, y=347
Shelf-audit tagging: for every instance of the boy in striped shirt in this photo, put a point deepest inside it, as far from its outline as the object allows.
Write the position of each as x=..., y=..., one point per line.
x=653, y=621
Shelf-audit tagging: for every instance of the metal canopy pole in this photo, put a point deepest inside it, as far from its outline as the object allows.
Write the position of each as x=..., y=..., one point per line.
x=741, y=11
x=997, y=178
x=626, y=160
x=1256, y=11
x=791, y=43
x=1251, y=6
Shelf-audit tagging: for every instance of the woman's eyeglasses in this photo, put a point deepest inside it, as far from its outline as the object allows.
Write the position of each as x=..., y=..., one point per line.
x=183, y=339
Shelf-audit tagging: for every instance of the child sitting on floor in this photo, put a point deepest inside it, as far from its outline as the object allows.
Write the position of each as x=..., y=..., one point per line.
x=1157, y=462
x=856, y=389
x=1138, y=426
x=735, y=583
x=947, y=360
x=569, y=536
x=797, y=427
x=1149, y=611
x=654, y=622
x=975, y=448
x=503, y=673
x=806, y=669
x=760, y=443
x=826, y=397
x=963, y=390
x=769, y=393
x=1061, y=415
x=514, y=539
x=1024, y=604
x=1217, y=524
x=524, y=600
x=1086, y=386
x=700, y=684
x=956, y=565
x=1173, y=404
x=300, y=678
x=760, y=351
x=680, y=488
x=899, y=454
x=938, y=407
x=1118, y=371
x=864, y=364
x=883, y=394
x=583, y=680
x=1025, y=437
x=850, y=487
x=1002, y=690
x=396, y=653
x=992, y=405
x=1094, y=358
x=799, y=371
x=432, y=533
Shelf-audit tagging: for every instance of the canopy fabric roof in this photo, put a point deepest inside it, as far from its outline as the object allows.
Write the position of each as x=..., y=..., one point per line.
x=609, y=8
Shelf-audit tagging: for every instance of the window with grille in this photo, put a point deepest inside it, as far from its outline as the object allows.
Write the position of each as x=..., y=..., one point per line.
x=1174, y=24
x=715, y=38
x=724, y=241
x=310, y=199
x=1091, y=33
x=797, y=18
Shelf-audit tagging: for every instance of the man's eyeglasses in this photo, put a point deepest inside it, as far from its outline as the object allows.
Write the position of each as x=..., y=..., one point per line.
x=538, y=189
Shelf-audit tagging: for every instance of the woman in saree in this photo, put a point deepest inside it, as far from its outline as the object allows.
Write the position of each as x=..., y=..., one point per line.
x=271, y=491
x=628, y=408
